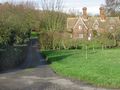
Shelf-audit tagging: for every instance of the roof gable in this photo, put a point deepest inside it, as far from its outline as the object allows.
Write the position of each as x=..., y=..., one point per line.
x=80, y=21
x=73, y=22
x=89, y=23
x=96, y=22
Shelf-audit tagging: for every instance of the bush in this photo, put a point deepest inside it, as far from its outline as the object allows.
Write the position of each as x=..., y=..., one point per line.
x=16, y=23
x=12, y=57
x=58, y=41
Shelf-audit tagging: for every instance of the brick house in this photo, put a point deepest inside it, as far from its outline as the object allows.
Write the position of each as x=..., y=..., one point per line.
x=83, y=26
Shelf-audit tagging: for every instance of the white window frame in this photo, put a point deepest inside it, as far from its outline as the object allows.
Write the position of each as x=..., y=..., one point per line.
x=80, y=27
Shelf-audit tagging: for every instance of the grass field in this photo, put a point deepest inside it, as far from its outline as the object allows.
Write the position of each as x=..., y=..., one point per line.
x=102, y=68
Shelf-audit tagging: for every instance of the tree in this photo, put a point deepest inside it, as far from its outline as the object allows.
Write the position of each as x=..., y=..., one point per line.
x=113, y=7
x=53, y=19
x=54, y=5
x=16, y=22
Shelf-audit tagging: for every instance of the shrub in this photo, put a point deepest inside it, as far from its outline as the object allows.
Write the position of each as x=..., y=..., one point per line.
x=58, y=41
x=12, y=57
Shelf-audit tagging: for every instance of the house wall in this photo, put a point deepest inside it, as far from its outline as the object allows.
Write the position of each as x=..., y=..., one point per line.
x=79, y=33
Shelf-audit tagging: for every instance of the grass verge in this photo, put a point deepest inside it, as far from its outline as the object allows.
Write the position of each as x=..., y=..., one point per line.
x=102, y=68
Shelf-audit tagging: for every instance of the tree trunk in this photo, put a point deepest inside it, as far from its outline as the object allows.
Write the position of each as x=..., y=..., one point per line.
x=53, y=41
x=86, y=52
x=63, y=45
x=102, y=47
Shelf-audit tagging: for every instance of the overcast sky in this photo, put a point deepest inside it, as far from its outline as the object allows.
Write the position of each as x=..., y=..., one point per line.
x=92, y=5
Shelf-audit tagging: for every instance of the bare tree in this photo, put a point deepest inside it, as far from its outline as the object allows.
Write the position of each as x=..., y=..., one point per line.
x=53, y=19
x=54, y=5
x=73, y=13
x=113, y=6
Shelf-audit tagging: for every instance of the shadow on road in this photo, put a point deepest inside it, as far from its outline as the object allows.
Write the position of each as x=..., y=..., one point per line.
x=33, y=58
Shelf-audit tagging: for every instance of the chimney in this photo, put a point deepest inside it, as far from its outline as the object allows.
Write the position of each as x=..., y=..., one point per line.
x=102, y=14
x=85, y=16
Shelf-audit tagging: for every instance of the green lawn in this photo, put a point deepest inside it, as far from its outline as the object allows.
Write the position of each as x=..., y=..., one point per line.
x=34, y=34
x=102, y=68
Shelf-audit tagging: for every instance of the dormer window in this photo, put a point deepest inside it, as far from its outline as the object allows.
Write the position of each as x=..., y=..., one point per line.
x=96, y=27
x=80, y=35
x=80, y=28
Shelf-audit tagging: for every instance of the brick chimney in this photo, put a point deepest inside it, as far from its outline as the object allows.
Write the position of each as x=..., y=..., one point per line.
x=102, y=14
x=85, y=15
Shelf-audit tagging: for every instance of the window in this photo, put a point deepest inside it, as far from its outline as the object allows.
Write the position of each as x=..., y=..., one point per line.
x=71, y=36
x=90, y=35
x=80, y=35
x=80, y=28
x=89, y=38
x=111, y=28
x=96, y=27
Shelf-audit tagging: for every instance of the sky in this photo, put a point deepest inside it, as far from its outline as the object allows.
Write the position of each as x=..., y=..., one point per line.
x=77, y=5
x=92, y=5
